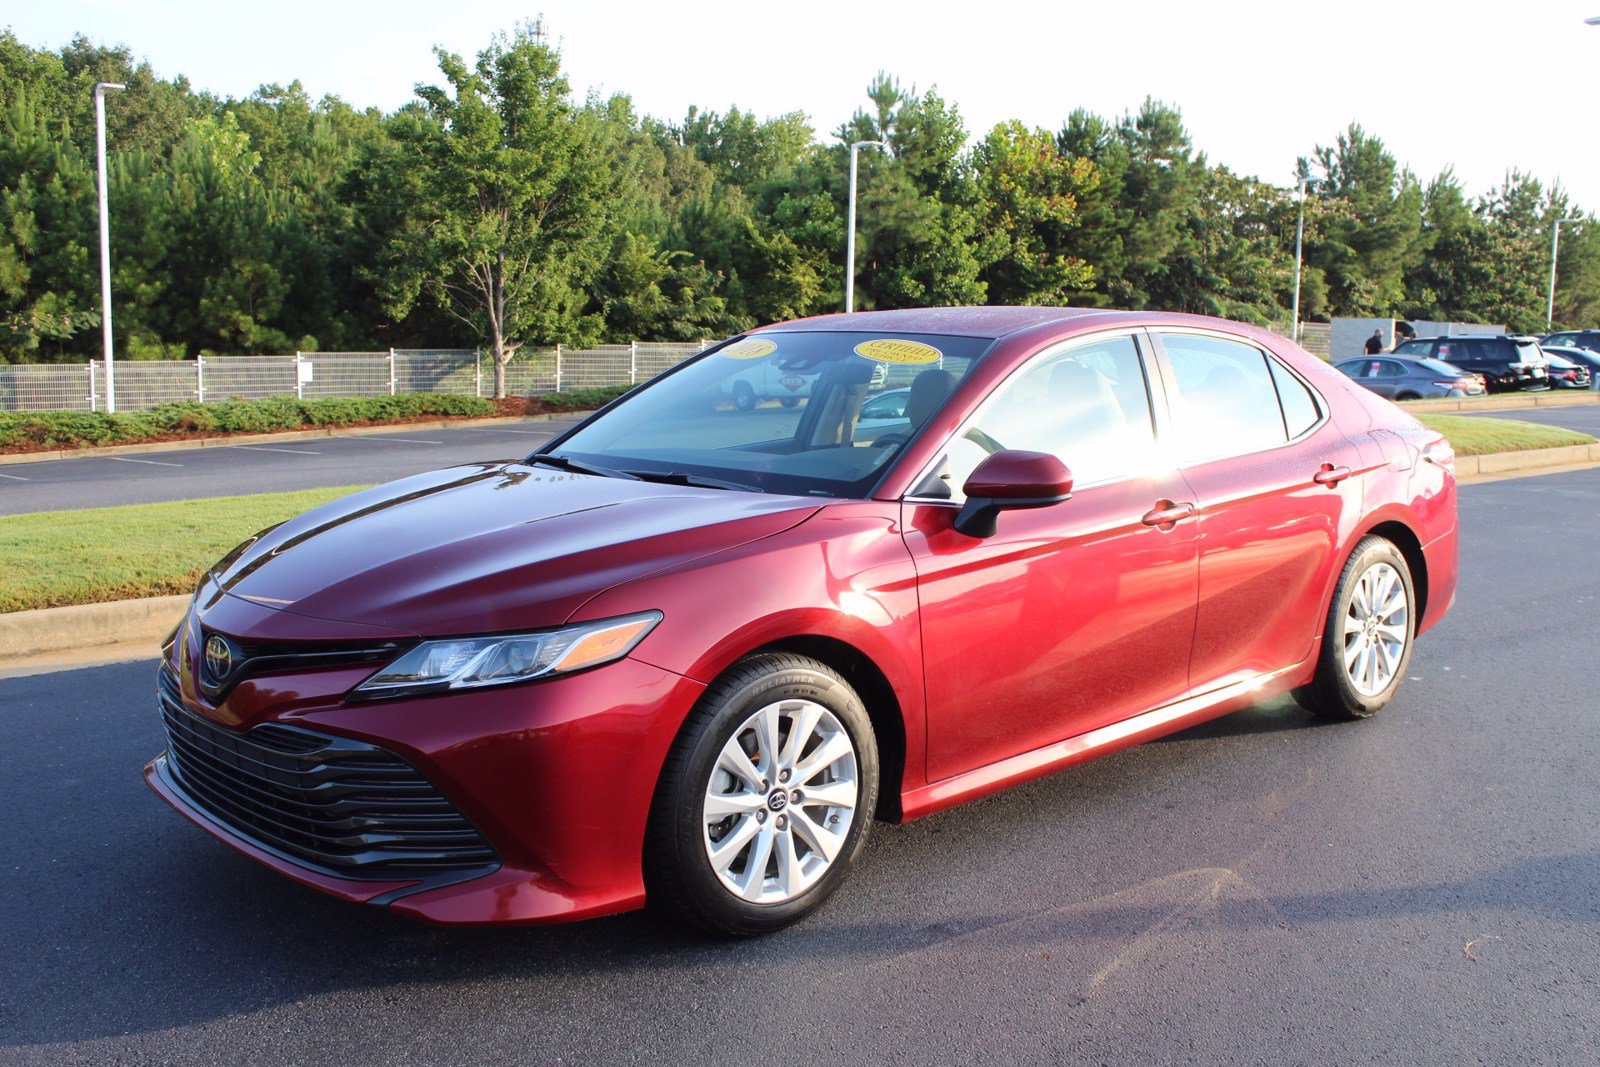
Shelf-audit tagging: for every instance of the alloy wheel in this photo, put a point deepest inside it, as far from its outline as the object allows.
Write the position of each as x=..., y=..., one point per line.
x=781, y=801
x=1377, y=625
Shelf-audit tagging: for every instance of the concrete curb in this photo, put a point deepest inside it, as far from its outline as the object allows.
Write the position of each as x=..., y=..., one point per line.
x=1504, y=402
x=286, y=435
x=1470, y=468
x=87, y=626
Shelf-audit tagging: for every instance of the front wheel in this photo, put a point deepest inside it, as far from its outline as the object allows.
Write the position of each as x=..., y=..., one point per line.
x=1366, y=642
x=765, y=799
x=744, y=397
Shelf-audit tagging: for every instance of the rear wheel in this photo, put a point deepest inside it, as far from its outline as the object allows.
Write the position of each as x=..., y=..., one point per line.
x=1366, y=642
x=744, y=397
x=1408, y=396
x=765, y=800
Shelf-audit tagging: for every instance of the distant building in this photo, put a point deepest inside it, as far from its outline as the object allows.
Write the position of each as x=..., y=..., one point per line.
x=1348, y=337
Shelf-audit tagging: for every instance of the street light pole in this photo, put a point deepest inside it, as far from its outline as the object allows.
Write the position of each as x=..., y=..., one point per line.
x=1555, y=245
x=1299, y=239
x=850, y=230
x=105, y=238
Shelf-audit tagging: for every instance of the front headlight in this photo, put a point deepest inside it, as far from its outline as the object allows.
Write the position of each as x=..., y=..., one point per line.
x=474, y=662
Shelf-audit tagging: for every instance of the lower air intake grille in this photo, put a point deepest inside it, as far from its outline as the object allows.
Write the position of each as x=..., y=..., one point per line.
x=344, y=807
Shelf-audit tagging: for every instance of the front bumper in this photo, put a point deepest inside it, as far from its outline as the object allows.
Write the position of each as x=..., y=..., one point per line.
x=556, y=775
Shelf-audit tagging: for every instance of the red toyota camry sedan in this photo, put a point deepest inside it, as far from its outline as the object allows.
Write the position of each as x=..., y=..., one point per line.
x=690, y=650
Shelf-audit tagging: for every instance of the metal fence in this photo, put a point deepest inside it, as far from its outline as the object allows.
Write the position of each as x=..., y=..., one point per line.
x=143, y=384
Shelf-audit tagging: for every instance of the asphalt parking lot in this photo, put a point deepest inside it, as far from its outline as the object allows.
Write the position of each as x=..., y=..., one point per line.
x=1584, y=418
x=1421, y=888
x=272, y=466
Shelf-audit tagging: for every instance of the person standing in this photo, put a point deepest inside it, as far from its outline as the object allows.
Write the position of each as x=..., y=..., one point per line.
x=1375, y=343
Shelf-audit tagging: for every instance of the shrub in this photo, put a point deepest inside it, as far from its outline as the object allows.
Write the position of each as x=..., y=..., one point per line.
x=68, y=429
x=584, y=399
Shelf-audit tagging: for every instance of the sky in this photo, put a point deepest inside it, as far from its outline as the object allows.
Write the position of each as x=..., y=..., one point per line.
x=1477, y=86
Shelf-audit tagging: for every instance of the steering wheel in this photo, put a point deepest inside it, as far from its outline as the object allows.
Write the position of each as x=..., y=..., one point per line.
x=899, y=437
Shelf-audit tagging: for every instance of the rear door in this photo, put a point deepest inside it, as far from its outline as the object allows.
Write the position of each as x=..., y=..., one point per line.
x=1273, y=479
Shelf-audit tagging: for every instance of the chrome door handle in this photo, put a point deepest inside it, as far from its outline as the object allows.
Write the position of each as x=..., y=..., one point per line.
x=1330, y=475
x=1166, y=513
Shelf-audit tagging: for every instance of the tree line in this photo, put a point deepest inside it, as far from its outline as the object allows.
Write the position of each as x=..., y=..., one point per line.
x=498, y=209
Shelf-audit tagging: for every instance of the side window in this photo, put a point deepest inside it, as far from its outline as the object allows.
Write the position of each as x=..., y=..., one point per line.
x=1088, y=406
x=1225, y=402
x=1300, y=409
x=1456, y=352
x=888, y=406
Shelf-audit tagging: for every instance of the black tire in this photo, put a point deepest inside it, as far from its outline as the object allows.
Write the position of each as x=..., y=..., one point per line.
x=1332, y=694
x=744, y=397
x=790, y=401
x=1407, y=396
x=679, y=878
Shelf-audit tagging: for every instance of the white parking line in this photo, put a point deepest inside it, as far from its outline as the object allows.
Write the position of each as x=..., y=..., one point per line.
x=402, y=440
x=14, y=477
x=151, y=462
x=269, y=448
x=496, y=429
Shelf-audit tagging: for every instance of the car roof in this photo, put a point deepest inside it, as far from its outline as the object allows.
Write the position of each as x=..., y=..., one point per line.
x=990, y=322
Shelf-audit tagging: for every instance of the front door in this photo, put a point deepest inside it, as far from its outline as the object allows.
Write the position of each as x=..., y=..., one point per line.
x=1072, y=616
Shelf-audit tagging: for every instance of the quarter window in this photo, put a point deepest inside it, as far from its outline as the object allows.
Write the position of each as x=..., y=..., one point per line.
x=1225, y=402
x=1300, y=411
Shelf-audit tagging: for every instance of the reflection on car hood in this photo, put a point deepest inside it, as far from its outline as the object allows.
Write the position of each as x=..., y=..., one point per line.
x=490, y=547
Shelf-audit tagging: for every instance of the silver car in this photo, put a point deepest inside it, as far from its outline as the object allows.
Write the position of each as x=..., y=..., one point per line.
x=1399, y=378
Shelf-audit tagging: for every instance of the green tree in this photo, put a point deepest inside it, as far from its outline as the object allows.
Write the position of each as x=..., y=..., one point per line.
x=1371, y=234
x=510, y=213
x=1029, y=192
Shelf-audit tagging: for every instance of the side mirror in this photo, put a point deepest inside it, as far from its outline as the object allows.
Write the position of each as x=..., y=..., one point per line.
x=1011, y=479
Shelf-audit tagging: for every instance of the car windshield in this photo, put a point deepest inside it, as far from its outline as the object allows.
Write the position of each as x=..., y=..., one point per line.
x=1413, y=348
x=1435, y=366
x=780, y=412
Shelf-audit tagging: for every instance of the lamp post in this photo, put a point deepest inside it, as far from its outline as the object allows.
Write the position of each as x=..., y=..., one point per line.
x=1555, y=245
x=100, y=89
x=850, y=229
x=1299, y=239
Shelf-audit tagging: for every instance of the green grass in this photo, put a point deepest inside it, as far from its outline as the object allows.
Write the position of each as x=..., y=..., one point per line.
x=1475, y=435
x=54, y=558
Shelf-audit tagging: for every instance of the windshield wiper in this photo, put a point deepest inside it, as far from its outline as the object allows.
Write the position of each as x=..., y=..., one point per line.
x=579, y=467
x=695, y=481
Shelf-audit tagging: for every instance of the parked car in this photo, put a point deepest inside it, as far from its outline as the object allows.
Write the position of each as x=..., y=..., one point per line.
x=1585, y=339
x=1507, y=364
x=656, y=662
x=1582, y=356
x=1411, y=379
x=1567, y=373
x=786, y=381
x=885, y=413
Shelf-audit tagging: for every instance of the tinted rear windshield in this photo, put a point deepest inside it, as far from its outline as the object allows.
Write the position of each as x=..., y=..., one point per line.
x=793, y=413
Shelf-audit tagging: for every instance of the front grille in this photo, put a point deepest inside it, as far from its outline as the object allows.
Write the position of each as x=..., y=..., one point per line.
x=341, y=806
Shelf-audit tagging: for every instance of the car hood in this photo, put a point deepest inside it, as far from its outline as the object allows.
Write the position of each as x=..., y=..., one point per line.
x=483, y=548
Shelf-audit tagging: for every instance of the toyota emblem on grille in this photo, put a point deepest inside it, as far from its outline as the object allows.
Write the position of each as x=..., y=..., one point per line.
x=219, y=658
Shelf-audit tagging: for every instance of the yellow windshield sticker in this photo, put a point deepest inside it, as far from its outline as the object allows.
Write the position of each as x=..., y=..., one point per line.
x=749, y=348
x=886, y=350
